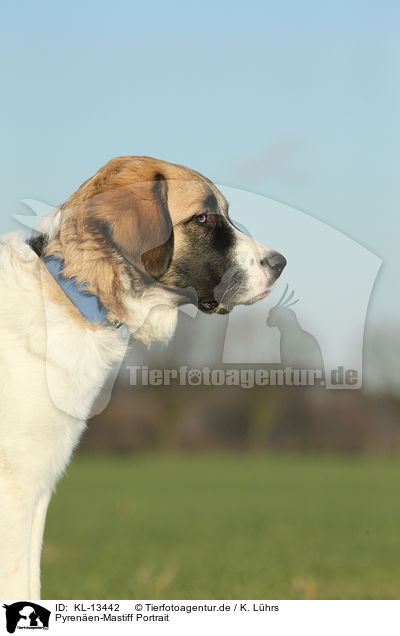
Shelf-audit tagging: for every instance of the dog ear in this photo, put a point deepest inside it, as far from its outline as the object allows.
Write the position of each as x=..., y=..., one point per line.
x=136, y=220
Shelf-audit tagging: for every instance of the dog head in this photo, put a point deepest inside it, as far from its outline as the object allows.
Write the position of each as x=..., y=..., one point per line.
x=142, y=228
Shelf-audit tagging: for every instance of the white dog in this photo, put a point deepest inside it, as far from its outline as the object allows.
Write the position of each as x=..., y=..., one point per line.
x=134, y=242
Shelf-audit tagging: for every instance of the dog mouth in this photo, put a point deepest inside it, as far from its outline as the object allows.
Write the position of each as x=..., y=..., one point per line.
x=211, y=306
x=255, y=299
x=208, y=305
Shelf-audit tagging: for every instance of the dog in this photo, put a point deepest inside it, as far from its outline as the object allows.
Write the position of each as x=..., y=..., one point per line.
x=135, y=242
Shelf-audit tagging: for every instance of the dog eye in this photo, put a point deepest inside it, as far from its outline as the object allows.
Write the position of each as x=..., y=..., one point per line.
x=201, y=218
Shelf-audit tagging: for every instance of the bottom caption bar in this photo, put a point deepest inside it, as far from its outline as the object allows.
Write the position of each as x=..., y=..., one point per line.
x=176, y=617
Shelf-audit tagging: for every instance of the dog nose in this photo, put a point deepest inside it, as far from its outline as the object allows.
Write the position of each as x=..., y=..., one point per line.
x=276, y=262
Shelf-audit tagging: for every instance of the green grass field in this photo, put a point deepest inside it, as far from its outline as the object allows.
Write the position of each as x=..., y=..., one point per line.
x=224, y=526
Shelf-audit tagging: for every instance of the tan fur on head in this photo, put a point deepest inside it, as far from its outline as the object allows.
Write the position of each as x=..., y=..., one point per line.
x=119, y=223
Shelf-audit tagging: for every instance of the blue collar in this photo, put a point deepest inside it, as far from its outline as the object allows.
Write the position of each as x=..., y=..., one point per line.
x=89, y=305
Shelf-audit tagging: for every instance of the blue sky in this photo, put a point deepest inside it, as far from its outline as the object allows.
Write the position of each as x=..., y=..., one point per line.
x=297, y=101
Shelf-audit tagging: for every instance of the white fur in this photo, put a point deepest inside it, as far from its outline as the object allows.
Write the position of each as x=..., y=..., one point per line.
x=248, y=258
x=152, y=316
x=52, y=368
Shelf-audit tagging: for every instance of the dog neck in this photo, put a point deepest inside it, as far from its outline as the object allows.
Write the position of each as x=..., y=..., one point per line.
x=89, y=305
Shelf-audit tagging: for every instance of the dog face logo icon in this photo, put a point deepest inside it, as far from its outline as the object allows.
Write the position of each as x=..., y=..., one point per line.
x=26, y=615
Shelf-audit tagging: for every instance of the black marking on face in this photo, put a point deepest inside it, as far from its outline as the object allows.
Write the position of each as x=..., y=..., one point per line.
x=211, y=204
x=224, y=236
x=206, y=262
